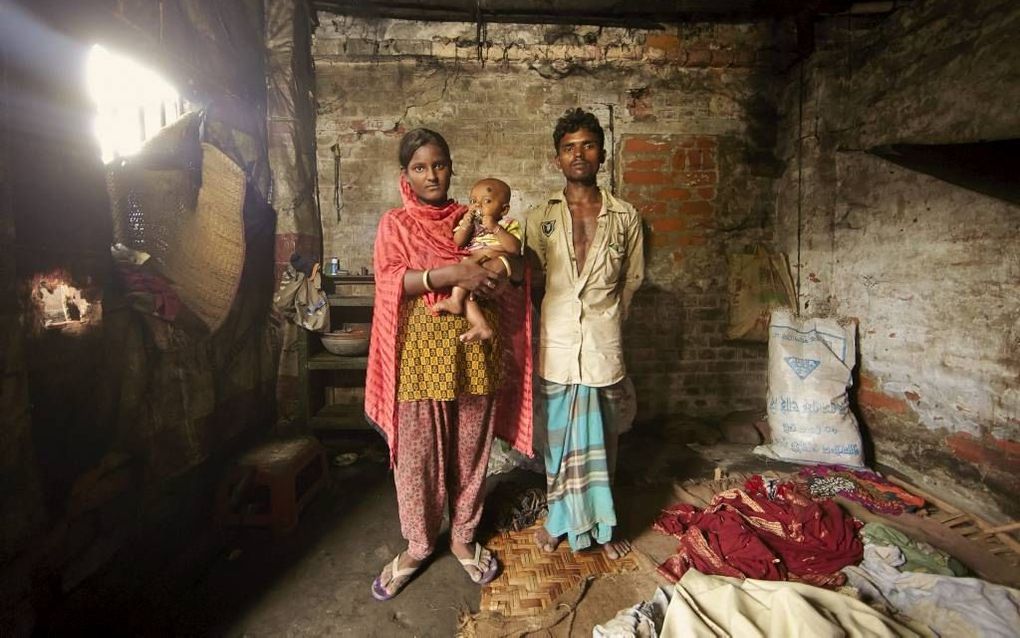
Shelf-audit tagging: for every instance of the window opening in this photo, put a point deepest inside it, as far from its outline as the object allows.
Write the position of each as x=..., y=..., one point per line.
x=132, y=102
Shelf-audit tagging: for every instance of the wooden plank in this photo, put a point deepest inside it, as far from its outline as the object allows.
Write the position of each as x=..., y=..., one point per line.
x=985, y=526
x=350, y=301
x=327, y=361
x=955, y=519
x=1001, y=529
x=970, y=552
x=1004, y=537
x=926, y=495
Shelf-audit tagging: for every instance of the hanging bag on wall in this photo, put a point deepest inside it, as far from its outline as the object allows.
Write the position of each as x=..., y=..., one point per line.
x=809, y=415
x=759, y=282
x=302, y=300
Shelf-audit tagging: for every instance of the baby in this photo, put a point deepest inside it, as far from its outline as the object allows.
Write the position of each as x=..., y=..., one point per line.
x=488, y=235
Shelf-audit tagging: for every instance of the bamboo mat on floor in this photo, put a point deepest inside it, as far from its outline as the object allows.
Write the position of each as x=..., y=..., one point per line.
x=532, y=579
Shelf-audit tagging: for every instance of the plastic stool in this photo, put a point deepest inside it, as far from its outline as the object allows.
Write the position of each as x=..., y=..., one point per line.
x=270, y=485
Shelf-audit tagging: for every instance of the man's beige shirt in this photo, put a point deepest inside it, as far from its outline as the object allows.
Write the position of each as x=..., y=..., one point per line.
x=580, y=338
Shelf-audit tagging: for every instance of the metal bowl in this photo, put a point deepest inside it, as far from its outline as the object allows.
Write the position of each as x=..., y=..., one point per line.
x=351, y=341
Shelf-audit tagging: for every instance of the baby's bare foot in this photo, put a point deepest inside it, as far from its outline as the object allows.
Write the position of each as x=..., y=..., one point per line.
x=449, y=305
x=477, y=333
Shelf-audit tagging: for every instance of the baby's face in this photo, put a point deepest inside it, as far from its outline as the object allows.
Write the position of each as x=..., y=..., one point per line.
x=489, y=198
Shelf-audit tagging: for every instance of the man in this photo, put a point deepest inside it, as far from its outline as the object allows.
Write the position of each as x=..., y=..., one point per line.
x=586, y=246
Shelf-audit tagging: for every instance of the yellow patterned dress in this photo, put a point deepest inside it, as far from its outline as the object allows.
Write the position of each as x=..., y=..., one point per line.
x=434, y=364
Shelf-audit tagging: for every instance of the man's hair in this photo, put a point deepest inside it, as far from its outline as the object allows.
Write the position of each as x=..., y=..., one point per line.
x=574, y=120
x=417, y=138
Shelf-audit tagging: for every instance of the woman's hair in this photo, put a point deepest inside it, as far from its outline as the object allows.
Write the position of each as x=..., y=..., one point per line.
x=415, y=139
x=574, y=120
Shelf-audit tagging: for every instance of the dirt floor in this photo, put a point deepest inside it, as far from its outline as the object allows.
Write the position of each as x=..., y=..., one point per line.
x=316, y=580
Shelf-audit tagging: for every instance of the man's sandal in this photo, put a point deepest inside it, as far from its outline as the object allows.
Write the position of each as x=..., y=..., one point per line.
x=399, y=576
x=473, y=567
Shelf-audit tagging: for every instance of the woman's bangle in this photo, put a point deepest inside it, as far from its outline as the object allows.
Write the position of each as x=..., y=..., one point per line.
x=425, y=280
x=506, y=264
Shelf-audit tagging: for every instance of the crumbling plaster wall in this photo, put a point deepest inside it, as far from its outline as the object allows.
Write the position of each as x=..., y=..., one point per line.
x=690, y=119
x=930, y=269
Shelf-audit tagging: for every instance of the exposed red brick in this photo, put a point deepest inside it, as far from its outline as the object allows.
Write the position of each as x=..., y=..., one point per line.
x=698, y=178
x=652, y=209
x=644, y=145
x=722, y=58
x=692, y=240
x=699, y=57
x=680, y=160
x=708, y=158
x=706, y=193
x=676, y=194
x=662, y=41
x=640, y=106
x=646, y=164
x=665, y=238
x=870, y=395
x=968, y=448
x=667, y=224
x=697, y=209
x=694, y=159
x=1011, y=448
x=645, y=177
x=1000, y=455
x=706, y=142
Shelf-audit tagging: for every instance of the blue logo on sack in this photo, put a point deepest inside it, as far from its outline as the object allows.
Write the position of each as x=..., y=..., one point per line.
x=802, y=367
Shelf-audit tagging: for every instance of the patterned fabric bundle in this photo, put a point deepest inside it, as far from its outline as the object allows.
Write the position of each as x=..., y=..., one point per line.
x=862, y=486
x=417, y=236
x=747, y=534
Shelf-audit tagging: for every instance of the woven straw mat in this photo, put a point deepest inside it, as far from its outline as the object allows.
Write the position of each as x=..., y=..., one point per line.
x=532, y=579
x=206, y=267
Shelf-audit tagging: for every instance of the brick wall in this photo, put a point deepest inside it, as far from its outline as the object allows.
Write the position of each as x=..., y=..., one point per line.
x=690, y=121
x=679, y=353
x=927, y=267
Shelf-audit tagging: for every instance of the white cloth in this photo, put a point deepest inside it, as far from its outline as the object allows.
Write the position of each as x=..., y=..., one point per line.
x=712, y=606
x=582, y=312
x=950, y=606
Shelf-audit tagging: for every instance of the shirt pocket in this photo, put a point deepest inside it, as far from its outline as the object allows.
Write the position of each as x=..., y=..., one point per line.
x=615, y=253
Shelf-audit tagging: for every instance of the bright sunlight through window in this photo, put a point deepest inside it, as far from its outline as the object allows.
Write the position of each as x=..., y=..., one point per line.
x=132, y=102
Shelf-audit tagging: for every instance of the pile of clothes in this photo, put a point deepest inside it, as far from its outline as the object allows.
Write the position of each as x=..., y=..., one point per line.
x=735, y=553
x=917, y=583
x=770, y=530
x=868, y=488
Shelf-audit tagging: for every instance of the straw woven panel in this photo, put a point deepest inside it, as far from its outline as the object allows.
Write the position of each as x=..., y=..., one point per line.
x=193, y=229
x=209, y=257
x=532, y=579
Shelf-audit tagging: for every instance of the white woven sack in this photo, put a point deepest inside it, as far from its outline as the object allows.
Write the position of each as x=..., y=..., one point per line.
x=809, y=375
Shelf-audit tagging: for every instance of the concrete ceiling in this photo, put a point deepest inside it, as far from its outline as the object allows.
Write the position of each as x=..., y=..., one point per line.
x=636, y=13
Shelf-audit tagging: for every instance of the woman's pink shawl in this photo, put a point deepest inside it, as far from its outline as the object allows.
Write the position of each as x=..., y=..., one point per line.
x=418, y=236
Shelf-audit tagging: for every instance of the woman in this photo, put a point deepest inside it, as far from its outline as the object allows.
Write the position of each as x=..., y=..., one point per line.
x=439, y=401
